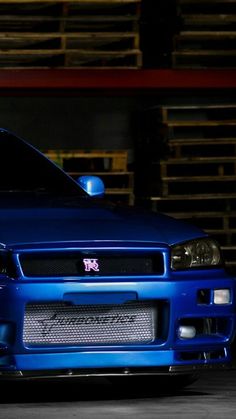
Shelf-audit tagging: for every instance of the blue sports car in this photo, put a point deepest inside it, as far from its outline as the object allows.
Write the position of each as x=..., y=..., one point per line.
x=88, y=287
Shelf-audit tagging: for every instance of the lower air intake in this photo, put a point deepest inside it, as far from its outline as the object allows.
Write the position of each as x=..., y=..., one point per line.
x=64, y=324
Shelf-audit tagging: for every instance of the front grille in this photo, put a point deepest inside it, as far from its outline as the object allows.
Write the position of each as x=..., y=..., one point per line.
x=56, y=264
x=65, y=324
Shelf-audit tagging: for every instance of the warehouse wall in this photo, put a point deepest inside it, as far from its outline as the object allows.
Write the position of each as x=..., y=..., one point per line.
x=71, y=122
x=86, y=120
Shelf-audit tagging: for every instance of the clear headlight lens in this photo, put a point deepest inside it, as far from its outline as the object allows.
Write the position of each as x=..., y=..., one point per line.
x=197, y=253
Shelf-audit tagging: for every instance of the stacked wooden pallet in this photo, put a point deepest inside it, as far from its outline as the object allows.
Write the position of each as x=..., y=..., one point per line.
x=110, y=166
x=207, y=36
x=198, y=179
x=64, y=33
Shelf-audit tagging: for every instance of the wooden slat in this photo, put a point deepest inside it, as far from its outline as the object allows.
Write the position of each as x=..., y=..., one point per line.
x=82, y=52
x=199, y=196
x=203, y=123
x=201, y=106
x=119, y=191
x=203, y=53
x=198, y=160
x=211, y=19
x=225, y=231
x=206, y=35
x=120, y=174
x=36, y=52
x=202, y=214
x=86, y=18
x=202, y=141
x=185, y=179
x=85, y=154
x=67, y=35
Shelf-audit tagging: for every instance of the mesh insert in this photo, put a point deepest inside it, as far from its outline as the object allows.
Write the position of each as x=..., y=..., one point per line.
x=63, y=324
x=95, y=264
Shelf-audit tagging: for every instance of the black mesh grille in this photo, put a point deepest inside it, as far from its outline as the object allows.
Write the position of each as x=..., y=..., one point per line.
x=92, y=264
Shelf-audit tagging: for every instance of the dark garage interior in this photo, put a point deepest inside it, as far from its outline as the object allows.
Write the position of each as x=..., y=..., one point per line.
x=141, y=92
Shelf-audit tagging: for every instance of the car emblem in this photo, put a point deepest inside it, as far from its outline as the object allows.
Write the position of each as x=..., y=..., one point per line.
x=91, y=265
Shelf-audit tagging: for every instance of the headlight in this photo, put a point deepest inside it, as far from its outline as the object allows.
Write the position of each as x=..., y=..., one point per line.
x=197, y=253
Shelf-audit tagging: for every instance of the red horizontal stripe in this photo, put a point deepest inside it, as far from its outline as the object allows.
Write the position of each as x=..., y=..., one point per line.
x=115, y=79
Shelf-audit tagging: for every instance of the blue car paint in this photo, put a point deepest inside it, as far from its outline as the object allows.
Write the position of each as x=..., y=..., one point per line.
x=30, y=226
x=34, y=225
x=182, y=298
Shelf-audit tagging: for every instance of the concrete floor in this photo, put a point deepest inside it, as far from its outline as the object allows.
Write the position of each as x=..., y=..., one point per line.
x=212, y=396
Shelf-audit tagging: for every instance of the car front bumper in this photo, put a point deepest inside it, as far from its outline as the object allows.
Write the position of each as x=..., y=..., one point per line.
x=167, y=354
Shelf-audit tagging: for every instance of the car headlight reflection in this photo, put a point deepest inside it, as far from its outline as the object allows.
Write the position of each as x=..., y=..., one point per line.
x=197, y=253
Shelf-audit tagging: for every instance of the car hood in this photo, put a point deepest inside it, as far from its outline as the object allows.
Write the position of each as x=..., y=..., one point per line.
x=58, y=225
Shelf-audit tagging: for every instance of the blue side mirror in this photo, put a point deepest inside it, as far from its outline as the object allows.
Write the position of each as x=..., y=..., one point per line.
x=93, y=185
